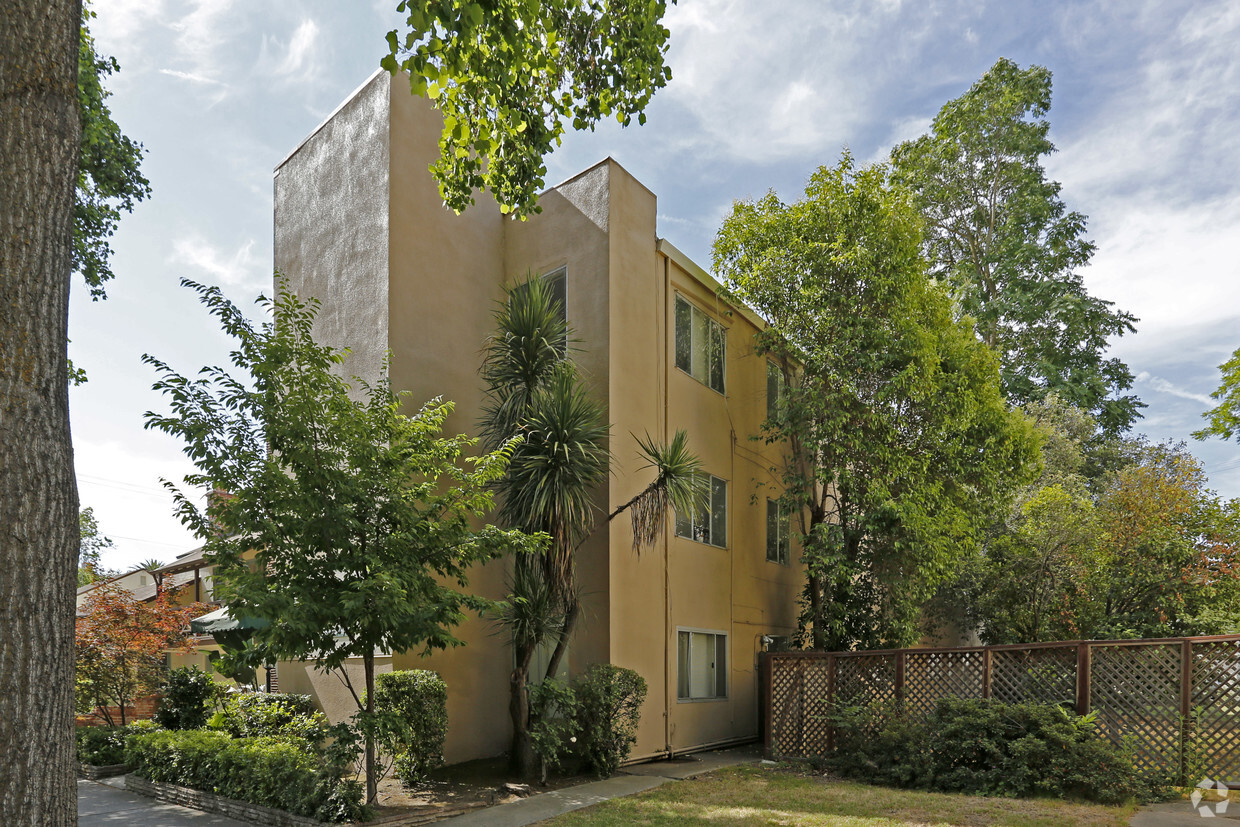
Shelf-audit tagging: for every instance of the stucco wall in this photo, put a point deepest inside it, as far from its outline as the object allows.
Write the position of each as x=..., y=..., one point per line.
x=331, y=225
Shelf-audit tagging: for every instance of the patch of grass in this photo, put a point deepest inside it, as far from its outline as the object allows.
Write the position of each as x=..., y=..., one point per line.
x=762, y=796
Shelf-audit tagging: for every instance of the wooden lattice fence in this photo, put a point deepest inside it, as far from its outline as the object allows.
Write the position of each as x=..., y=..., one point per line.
x=1175, y=701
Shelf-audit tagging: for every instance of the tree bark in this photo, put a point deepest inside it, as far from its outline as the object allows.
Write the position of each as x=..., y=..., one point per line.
x=372, y=783
x=521, y=757
x=39, y=139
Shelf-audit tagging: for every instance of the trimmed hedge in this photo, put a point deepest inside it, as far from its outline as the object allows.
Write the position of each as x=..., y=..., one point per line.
x=419, y=699
x=259, y=714
x=608, y=707
x=105, y=746
x=271, y=771
x=187, y=695
x=984, y=747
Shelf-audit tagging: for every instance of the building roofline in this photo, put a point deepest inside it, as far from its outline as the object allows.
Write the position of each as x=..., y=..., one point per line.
x=347, y=100
x=707, y=280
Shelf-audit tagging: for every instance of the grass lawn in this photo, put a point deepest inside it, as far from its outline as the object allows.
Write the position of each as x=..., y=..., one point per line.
x=757, y=795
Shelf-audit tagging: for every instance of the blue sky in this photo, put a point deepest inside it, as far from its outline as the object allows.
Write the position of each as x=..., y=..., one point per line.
x=1146, y=117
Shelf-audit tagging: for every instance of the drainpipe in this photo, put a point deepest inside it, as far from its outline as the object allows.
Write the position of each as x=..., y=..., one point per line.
x=667, y=591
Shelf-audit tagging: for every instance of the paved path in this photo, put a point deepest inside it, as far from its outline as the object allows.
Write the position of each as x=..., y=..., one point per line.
x=630, y=780
x=1182, y=814
x=107, y=802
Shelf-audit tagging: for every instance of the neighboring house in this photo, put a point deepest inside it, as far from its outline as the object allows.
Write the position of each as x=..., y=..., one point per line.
x=360, y=226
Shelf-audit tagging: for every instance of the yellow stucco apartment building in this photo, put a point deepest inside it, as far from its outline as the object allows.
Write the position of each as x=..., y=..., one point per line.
x=360, y=226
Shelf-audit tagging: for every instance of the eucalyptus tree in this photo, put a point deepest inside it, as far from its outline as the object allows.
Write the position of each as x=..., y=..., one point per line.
x=348, y=523
x=998, y=233
x=534, y=391
x=899, y=442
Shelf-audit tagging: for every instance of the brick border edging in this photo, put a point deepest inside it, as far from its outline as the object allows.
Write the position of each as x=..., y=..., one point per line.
x=93, y=772
x=212, y=803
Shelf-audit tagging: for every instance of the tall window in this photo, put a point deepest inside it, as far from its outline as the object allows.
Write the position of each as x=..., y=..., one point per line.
x=702, y=659
x=700, y=345
x=776, y=382
x=710, y=523
x=778, y=529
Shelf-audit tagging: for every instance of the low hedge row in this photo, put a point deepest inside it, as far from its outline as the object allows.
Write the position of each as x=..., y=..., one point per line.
x=105, y=746
x=268, y=770
x=984, y=747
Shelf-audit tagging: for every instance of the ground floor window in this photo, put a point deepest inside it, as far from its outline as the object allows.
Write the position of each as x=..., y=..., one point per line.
x=702, y=672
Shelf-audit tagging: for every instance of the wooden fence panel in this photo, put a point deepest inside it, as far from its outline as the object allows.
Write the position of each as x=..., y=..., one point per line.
x=1140, y=690
x=1215, y=705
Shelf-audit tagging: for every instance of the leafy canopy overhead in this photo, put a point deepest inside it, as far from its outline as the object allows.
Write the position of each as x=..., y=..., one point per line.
x=998, y=233
x=109, y=175
x=898, y=440
x=508, y=74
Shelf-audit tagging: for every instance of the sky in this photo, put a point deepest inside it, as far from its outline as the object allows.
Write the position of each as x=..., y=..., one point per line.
x=1146, y=118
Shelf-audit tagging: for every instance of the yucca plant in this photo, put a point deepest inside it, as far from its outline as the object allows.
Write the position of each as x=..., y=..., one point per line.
x=534, y=390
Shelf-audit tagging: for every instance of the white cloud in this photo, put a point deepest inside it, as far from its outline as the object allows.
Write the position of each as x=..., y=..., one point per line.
x=191, y=77
x=1163, y=386
x=201, y=36
x=295, y=61
x=238, y=269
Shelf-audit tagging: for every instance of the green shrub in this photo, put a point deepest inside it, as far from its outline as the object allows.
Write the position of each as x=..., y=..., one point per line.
x=104, y=746
x=609, y=702
x=554, y=723
x=187, y=696
x=271, y=771
x=414, y=706
x=983, y=747
x=259, y=714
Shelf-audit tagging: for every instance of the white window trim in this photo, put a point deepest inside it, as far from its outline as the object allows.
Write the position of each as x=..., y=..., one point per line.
x=678, y=296
x=727, y=664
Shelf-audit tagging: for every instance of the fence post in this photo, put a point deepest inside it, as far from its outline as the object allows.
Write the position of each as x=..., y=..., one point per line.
x=830, y=702
x=986, y=672
x=900, y=675
x=1186, y=708
x=1082, y=678
x=768, y=701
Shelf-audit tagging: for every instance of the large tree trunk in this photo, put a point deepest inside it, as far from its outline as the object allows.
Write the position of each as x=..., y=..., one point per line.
x=39, y=138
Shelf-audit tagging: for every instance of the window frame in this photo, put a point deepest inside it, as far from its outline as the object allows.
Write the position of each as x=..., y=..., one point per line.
x=773, y=370
x=709, y=521
x=725, y=673
x=783, y=550
x=716, y=333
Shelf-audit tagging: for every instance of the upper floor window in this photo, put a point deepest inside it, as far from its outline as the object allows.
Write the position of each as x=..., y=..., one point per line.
x=776, y=383
x=778, y=530
x=700, y=345
x=556, y=282
x=710, y=524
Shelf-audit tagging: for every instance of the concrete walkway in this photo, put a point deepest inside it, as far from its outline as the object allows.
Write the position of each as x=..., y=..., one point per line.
x=107, y=802
x=630, y=780
x=1183, y=814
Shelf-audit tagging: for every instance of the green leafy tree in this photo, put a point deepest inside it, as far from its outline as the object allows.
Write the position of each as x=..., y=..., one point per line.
x=898, y=440
x=1224, y=419
x=509, y=75
x=109, y=178
x=998, y=233
x=348, y=527
x=535, y=391
x=90, y=567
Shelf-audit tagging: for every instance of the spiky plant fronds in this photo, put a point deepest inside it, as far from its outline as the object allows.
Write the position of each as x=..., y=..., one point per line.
x=679, y=483
x=530, y=340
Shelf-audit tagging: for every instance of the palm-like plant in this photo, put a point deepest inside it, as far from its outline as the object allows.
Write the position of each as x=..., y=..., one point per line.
x=535, y=391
